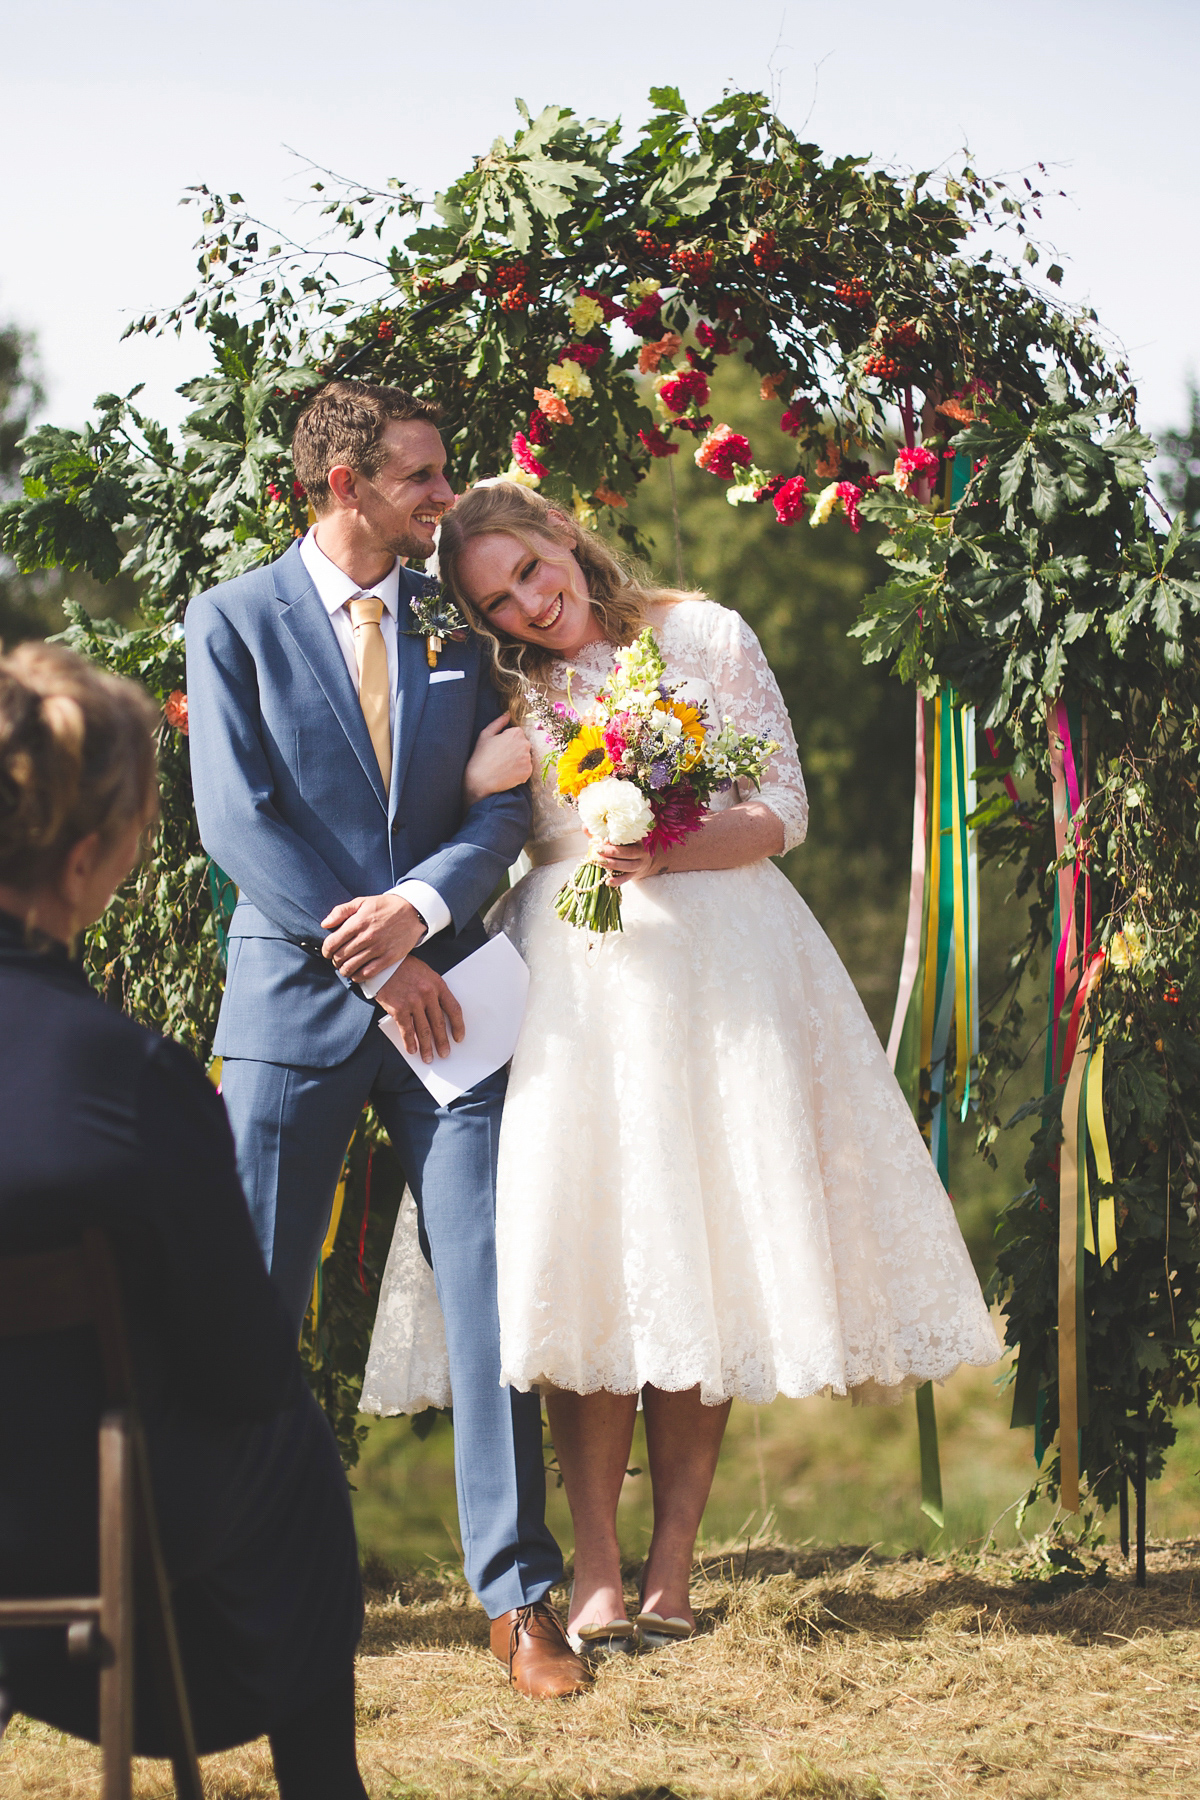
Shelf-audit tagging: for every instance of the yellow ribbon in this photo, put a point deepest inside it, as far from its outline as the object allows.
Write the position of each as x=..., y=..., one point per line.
x=1106, y=1208
x=339, y=1199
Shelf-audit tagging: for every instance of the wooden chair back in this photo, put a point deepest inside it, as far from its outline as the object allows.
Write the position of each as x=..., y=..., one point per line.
x=63, y=1290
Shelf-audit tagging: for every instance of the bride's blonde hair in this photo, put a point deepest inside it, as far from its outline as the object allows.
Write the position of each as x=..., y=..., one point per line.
x=619, y=596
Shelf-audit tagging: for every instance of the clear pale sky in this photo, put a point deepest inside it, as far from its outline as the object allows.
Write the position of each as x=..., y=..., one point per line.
x=110, y=108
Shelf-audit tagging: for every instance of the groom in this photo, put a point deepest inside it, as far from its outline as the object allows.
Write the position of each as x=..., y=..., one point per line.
x=327, y=765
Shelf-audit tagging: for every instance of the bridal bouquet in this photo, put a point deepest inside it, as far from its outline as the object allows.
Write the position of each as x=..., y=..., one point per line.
x=640, y=766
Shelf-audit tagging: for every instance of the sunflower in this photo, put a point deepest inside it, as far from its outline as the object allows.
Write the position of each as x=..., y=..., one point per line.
x=693, y=730
x=584, y=760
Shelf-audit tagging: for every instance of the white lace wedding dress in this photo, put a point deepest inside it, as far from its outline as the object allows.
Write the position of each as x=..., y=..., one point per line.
x=708, y=1175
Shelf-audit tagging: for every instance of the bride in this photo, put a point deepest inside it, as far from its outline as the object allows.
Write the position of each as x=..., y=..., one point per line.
x=709, y=1184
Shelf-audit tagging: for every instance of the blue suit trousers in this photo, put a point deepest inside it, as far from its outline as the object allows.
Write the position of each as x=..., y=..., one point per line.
x=291, y=1126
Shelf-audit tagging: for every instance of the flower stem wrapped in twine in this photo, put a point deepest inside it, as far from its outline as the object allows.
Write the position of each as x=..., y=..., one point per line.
x=587, y=900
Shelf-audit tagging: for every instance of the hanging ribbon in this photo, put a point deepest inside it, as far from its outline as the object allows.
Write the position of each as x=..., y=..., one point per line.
x=1074, y=1057
x=939, y=989
x=223, y=894
x=339, y=1200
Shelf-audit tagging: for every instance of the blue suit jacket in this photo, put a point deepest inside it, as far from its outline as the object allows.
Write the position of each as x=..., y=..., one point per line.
x=291, y=804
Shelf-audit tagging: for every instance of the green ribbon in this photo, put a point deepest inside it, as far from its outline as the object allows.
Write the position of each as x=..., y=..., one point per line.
x=224, y=895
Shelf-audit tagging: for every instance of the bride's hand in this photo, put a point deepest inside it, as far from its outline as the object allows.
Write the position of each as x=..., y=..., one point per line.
x=500, y=760
x=625, y=862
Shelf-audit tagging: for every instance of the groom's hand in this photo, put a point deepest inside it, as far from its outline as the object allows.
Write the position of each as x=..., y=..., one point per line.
x=422, y=1005
x=367, y=934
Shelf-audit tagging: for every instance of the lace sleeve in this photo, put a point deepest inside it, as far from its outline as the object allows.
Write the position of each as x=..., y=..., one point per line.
x=748, y=693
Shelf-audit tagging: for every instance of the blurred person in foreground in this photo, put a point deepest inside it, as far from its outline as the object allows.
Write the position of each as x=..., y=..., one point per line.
x=105, y=1124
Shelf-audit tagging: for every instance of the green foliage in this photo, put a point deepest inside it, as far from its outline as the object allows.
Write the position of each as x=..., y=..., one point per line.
x=1048, y=580
x=848, y=293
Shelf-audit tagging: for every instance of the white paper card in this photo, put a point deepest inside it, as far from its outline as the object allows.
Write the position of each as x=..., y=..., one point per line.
x=491, y=986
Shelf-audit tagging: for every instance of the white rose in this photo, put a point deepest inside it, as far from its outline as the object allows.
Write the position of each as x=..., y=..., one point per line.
x=615, y=810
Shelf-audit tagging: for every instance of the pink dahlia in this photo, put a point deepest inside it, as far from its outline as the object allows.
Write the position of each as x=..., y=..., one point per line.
x=677, y=813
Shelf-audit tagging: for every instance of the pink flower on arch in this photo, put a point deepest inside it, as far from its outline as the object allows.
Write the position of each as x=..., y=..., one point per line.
x=723, y=451
x=913, y=465
x=525, y=459
x=789, y=501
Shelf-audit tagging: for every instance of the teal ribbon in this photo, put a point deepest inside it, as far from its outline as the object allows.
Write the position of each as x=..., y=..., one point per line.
x=223, y=894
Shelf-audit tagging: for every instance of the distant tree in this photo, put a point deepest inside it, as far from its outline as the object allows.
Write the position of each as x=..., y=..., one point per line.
x=31, y=605
x=27, y=606
x=1181, y=449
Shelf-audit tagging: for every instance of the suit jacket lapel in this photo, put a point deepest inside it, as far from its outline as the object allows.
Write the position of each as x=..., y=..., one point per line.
x=305, y=618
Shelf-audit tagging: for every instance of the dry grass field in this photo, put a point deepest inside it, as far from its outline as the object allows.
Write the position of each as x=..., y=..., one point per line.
x=834, y=1674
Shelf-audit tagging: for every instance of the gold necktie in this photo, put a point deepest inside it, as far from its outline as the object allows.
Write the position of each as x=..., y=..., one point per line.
x=373, y=693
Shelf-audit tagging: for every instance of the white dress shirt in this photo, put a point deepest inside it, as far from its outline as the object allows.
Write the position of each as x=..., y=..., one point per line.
x=335, y=588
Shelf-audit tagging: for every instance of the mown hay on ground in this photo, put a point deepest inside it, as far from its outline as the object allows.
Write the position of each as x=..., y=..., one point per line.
x=816, y=1674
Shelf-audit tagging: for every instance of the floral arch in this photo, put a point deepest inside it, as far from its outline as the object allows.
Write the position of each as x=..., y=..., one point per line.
x=567, y=302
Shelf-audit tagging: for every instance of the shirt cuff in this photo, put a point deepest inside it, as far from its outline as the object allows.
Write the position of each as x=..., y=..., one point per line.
x=436, y=914
x=371, y=984
x=429, y=904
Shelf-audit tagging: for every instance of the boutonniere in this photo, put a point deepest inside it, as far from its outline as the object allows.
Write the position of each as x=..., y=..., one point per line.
x=435, y=618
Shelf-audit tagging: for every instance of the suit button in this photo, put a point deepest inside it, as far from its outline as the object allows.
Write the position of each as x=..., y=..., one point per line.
x=397, y=827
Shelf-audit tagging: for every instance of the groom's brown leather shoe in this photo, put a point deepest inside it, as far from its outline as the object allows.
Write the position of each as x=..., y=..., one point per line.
x=541, y=1663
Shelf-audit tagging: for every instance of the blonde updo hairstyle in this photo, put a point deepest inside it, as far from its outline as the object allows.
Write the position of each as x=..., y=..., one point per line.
x=76, y=757
x=618, y=595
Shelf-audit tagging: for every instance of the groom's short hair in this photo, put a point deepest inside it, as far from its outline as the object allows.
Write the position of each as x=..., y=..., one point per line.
x=344, y=423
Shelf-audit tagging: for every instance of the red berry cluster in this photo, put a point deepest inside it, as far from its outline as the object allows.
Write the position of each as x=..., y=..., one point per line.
x=854, y=292
x=385, y=331
x=583, y=354
x=904, y=336
x=655, y=247
x=716, y=341
x=696, y=263
x=765, y=254
x=1172, y=993
x=508, y=285
x=885, y=367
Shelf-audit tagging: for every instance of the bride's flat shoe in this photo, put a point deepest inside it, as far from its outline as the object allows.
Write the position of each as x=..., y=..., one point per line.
x=618, y=1638
x=657, y=1633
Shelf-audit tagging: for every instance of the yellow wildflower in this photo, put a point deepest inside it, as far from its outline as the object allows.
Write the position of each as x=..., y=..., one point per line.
x=641, y=290
x=570, y=380
x=586, y=314
x=522, y=477
x=584, y=760
x=584, y=513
